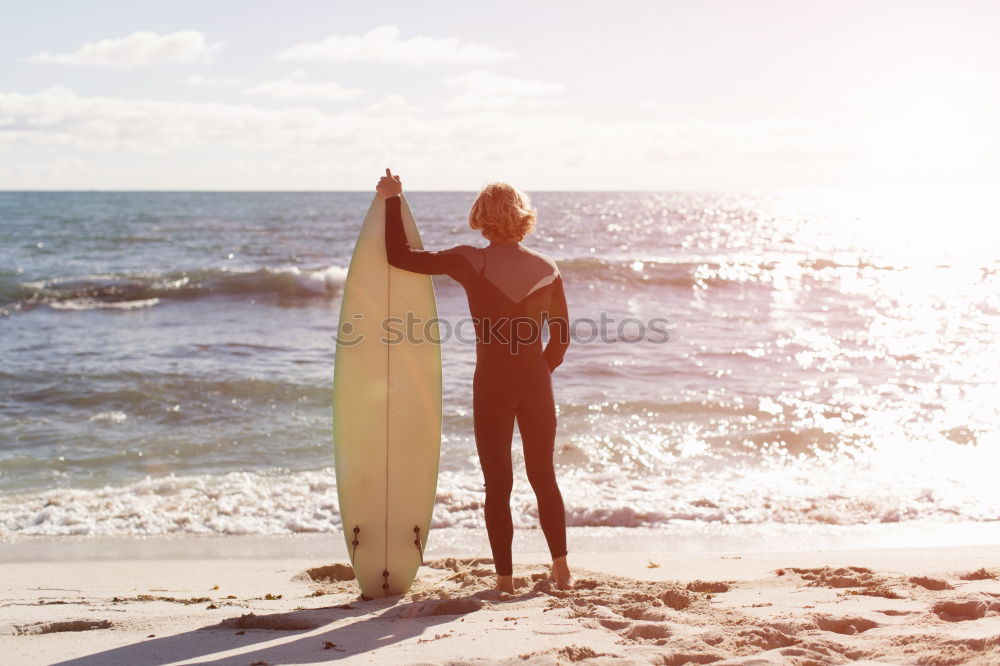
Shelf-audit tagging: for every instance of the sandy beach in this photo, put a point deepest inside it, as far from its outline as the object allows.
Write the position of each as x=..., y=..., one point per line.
x=253, y=602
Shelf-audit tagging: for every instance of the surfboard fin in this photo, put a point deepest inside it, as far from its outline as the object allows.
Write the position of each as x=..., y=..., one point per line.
x=416, y=542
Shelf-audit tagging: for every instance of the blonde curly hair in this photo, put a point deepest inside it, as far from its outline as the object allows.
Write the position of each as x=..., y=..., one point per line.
x=502, y=213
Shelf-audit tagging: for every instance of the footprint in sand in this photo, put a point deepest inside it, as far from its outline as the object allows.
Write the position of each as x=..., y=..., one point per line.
x=935, y=584
x=966, y=608
x=59, y=627
x=870, y=584
x=459, y=606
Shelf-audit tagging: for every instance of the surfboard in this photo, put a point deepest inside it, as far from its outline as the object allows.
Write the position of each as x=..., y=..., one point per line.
x=386, y=411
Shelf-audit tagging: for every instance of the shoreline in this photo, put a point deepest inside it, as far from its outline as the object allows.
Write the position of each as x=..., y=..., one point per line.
x=692, y=539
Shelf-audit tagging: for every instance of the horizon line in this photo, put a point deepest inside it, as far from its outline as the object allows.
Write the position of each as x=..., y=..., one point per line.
x=755, y=190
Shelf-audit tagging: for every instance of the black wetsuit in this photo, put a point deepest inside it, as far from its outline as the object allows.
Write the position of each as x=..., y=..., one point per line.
x=512, y=292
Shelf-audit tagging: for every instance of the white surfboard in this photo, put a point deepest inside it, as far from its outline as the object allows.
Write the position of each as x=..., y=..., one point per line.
x=386, y=411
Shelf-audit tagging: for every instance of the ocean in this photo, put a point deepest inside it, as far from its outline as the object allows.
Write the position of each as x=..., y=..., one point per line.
x=820, y=358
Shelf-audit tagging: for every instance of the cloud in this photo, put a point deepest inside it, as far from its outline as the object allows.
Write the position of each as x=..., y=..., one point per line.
x=62, y=118
x=383, y=45
x=393, y=103
x=481, y=89
x=135, y=50
x=295, y=88
x=650, y=105
x=197, y=80
x=301, y=147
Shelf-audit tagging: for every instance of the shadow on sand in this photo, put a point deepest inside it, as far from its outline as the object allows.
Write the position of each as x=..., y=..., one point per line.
x=391, y=622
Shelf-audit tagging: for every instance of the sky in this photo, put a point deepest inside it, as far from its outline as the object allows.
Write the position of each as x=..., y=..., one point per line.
x=694, y=95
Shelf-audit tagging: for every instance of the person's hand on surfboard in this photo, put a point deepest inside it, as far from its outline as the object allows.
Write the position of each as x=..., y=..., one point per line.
x=389, y=186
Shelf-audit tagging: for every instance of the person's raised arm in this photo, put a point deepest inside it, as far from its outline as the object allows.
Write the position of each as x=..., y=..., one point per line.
x=397, y=248
x=558, y=321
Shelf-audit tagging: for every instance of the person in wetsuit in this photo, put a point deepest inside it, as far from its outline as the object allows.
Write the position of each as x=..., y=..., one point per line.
x=512, y=292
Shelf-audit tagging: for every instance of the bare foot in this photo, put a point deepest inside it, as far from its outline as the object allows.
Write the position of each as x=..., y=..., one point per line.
x=561, y=575
x=505, y=584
